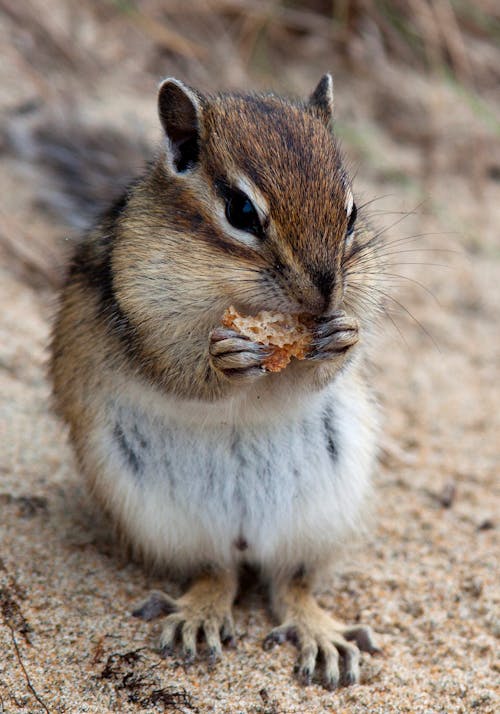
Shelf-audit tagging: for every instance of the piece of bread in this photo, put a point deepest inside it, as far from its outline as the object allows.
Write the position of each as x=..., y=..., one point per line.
x=288, y=335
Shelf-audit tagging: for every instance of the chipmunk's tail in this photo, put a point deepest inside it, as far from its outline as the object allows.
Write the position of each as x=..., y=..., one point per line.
x=79, y=168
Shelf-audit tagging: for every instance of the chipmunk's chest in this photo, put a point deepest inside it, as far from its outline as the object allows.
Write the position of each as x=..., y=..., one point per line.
x=228, y=491
x=236, y=475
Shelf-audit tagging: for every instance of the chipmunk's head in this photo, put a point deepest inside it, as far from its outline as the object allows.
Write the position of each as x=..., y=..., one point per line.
x=252, y=204
x=267, y=178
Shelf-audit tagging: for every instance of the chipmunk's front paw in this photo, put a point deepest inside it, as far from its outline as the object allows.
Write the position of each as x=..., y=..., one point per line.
x=334, y=336
x=235, y=356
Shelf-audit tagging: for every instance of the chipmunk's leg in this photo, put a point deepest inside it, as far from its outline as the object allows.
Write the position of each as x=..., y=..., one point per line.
x=318, y=637
x=204, y=608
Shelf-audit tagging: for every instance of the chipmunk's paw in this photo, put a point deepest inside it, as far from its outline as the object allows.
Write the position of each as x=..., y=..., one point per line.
x=202, y=610
x=235, y=356
x=187, y=622
x=334, y=336
x=324, y=644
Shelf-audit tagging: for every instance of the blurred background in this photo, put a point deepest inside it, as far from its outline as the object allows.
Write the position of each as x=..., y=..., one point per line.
x=417, y=89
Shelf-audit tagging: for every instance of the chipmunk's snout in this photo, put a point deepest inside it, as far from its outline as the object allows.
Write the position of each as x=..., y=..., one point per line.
x=324, y=293
x=319, y=297
x=324, y=281
x=315, y=298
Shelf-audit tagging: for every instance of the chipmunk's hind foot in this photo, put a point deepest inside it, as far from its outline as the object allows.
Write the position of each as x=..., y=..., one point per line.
x=203, y=612
x=324, y=644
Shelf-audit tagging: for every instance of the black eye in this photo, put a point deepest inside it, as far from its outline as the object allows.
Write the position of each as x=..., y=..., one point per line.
x=241, y=214
x=352, y=220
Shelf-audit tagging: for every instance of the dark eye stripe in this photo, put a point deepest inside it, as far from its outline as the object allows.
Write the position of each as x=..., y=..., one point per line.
x=352, y=220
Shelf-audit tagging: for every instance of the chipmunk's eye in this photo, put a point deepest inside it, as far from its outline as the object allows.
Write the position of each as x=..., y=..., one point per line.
x=352, y=221
x=241, y=214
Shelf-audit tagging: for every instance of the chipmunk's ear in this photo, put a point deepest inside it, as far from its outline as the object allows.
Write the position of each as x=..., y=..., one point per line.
x=180, y=110
x=321, y=100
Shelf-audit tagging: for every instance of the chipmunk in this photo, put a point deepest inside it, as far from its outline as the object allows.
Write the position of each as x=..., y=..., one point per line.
x=206, y=460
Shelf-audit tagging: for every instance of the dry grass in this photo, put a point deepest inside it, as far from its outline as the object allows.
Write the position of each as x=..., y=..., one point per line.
x=59, y=55
x=443, y=35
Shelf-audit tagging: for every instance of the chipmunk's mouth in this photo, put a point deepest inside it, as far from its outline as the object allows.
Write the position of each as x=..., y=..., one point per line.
x=278, y=301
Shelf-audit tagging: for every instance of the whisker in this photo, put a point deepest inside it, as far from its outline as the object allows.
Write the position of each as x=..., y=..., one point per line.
x=372, y=262
x=429, y=265
x=378, y=276
x=375, y=248
x=362, y=259
x=388, y=213
x=416, y=236
x=417, y=322
x=367, y=299
x=373, y=200
x=397, y=222
x=417, y=251
x=397, y=327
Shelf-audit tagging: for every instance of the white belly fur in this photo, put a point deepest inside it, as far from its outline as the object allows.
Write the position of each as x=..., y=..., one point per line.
x=190, y=481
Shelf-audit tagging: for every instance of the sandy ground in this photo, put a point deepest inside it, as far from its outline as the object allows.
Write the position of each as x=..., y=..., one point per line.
x=425, y=577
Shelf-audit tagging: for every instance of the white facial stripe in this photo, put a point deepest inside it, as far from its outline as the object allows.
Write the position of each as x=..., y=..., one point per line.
x=349, y=202
x=261, y=205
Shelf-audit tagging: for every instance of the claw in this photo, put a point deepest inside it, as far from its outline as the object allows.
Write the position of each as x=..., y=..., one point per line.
x=330, y=657
x=227, y=632
x=225, y=333
x=212, y=637
x=338, y=321
x=331, y=683
x=307, y=661
x=277, y=636
x=214, y=656
x=350, y=656
x=188, y=656
x=320, y=353
x=169, y=632
x=304, y=676
x=243, y=374
x=154, y=606
x=363, y=637
x=188, y=637
x=166, y=651
x=349, y=678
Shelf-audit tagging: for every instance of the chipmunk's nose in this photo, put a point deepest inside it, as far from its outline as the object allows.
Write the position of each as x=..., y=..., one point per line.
x=324, y=281
x=318, y=290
